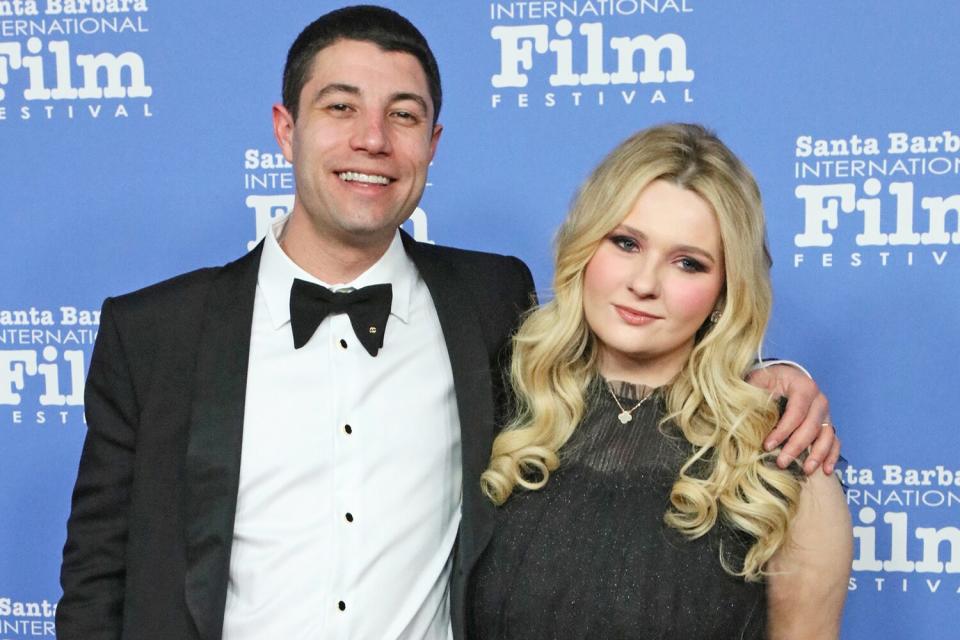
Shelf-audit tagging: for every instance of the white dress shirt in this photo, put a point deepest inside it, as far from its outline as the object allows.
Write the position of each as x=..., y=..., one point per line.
x=350, y=476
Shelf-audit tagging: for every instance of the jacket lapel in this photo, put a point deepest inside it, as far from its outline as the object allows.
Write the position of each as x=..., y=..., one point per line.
x=470, y=362
x=212, y=470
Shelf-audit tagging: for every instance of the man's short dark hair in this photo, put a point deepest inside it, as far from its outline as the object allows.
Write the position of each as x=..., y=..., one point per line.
x=368, y=23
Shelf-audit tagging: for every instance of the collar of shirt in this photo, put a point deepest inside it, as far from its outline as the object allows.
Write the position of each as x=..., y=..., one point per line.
x=277, y=272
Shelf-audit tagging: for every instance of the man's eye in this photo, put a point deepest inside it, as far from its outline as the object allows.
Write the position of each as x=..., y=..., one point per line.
x=406, y=116
x=339, y=106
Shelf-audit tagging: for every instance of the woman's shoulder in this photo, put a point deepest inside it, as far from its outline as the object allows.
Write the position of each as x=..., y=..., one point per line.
x=809, y=574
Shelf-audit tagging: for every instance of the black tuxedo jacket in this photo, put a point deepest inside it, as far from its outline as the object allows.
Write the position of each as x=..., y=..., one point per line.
x=150, y=531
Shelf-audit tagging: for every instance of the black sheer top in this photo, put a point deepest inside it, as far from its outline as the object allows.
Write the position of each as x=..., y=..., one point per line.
x=589, y=556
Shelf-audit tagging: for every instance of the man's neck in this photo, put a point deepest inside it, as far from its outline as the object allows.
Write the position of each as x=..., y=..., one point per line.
x=329, y=259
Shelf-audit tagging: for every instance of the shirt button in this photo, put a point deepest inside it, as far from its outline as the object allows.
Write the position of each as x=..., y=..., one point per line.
x=342, y=605
x=349, y=517
x=347, y=429
x=343, y=343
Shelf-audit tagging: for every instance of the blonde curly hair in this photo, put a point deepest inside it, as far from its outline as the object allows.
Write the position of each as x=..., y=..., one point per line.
x=555, y=354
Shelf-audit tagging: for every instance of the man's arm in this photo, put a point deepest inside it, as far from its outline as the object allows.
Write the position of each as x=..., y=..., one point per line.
x=805, y=422
x=524, y=297
x=94, y=557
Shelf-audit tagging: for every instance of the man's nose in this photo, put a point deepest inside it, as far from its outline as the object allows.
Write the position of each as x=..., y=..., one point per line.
x=371, y=135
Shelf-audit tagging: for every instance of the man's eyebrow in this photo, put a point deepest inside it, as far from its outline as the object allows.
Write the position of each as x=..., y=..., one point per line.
x=399, y=96
x=336, y=87
x=405, y=95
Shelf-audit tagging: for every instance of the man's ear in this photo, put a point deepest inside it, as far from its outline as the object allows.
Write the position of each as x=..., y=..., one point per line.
x=435, y=139
x=283, y=124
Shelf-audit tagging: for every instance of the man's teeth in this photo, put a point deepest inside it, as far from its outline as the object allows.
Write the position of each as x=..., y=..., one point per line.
x=353, y=176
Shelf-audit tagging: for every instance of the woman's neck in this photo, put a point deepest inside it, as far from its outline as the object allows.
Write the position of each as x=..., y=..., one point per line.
x=644, y=374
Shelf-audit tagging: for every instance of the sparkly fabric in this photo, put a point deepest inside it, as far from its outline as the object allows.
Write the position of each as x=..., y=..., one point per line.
x=588, y=556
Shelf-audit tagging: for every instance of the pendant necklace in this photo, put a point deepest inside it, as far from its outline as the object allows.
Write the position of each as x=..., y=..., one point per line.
x=626, y=415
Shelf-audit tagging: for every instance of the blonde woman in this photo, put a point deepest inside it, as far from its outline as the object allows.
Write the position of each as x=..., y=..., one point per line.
x=636, y=499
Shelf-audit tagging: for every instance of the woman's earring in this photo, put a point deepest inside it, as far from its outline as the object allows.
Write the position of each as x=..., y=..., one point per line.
x=715, y=316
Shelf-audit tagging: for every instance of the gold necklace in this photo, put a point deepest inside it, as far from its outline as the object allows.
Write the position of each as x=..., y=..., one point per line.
x=626, y=415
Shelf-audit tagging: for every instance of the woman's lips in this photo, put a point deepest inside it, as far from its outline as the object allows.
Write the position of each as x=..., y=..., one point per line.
x=635, y=316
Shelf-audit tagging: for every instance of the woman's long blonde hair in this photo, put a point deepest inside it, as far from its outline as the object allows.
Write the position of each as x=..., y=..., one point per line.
x=555, y=355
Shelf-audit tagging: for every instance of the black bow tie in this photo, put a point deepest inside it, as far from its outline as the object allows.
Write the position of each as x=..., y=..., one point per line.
x=368, y=309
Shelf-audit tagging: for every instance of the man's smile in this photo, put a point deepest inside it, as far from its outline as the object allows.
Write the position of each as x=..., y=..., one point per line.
x=367, y=178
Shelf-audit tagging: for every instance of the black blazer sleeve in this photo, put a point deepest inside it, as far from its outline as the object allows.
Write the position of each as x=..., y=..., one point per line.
x=522, y=298
x=93, y=570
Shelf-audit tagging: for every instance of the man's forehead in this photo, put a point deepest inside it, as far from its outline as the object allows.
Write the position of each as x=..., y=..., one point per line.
x=344, y=50
x=351, y=62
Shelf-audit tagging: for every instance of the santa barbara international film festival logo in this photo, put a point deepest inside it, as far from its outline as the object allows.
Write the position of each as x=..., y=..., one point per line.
x=50, y=71
x=27, y=619
x=43, y=353
x=587, y=53
x=887, y=200
x=268, y=182
x=900, y=546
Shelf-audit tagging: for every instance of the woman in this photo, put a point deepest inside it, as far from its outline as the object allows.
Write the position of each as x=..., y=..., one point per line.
x=636, y=499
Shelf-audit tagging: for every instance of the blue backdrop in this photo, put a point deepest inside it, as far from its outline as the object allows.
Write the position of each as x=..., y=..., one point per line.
x=135, y=143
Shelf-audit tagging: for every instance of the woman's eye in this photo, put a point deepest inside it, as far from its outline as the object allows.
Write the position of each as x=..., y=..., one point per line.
x=625, y=242
x=689, y=264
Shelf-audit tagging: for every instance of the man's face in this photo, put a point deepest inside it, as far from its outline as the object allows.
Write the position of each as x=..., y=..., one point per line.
x=362, y=141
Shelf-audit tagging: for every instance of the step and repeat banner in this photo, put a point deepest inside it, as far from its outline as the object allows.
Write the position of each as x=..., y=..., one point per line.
x=136, y=143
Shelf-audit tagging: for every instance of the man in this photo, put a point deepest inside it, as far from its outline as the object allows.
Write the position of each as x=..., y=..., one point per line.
x=267, y=459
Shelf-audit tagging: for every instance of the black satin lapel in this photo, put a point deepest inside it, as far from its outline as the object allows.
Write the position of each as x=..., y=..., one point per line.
x=470, y=362
x=215, y=438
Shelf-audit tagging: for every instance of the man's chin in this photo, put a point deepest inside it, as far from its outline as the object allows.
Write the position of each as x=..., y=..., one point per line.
x=368, y=235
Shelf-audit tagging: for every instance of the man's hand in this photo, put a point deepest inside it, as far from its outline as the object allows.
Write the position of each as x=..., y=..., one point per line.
x=805, y=422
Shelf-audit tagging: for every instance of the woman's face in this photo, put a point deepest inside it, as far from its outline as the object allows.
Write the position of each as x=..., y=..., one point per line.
x=652, y=283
